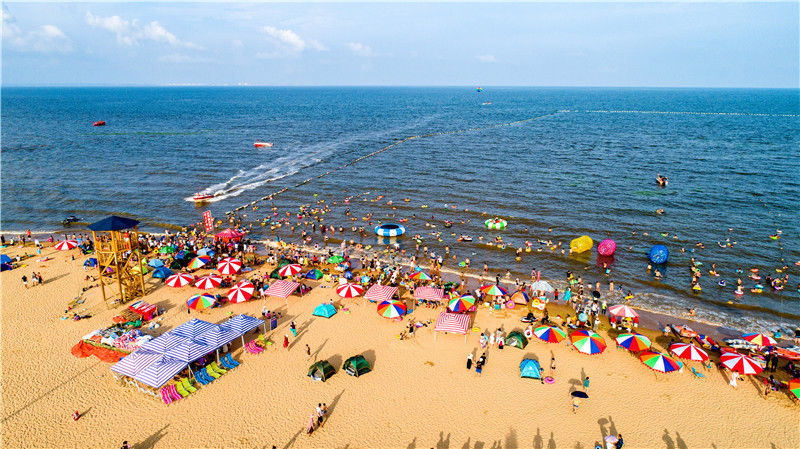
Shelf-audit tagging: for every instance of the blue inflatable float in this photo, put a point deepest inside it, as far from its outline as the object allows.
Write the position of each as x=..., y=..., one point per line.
x=390, y=230
x=659, y=254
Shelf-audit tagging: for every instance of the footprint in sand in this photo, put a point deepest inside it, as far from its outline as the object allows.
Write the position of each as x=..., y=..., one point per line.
x=429, y=363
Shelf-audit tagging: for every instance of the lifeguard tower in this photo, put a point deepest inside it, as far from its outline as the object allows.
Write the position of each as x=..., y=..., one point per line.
x=119, y=261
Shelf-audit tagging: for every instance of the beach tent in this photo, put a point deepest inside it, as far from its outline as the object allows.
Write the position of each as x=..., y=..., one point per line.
x=155, y=263
x=4, y=258
x=5, y=266
x=314, y=274
x=192, y=328
x=429, y=293
x=378, y=293
x=325, y=310
x=530, y=369
x=356, y=366
x=452, y=322
x=321, y=370
x=229, y=234
x=162, y=273
x=90, y=262
x=516, y=339
x=281, y=288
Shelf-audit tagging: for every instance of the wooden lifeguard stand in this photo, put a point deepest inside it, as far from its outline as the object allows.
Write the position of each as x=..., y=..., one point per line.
x=119, y=261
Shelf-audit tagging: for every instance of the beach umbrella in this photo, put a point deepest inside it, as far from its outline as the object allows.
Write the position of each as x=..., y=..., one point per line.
x=420, y=276
x=162, y=273
x=760, y=339
x=794, y=387
x=241, y=292
x=550, y=334
x=633, y=342
x=688, y=351
x=336, y=259
x=155, y=263
x=461, y=304
x=392, y=309
x=169, y=249
x=582, y=317
x=180, y=280
x=659, y=362
x=542, y=286
x=198, y=262
x=520, y=297
x=208, y=281
x=740, y=363
x=205, y=252
x=579, y=394
x=314, y=274
x=623, y=311
x=289, y=270
x=587, y=342
x=229, y=266
x=349, y=290
x=494, y=290
x=200, y=302
x=66, y=245
x=348, y=275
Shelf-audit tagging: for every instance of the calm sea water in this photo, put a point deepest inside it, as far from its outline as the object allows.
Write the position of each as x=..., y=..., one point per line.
x=731, y=156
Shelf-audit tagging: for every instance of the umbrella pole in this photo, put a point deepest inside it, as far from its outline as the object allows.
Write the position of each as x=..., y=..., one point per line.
x=217, y=355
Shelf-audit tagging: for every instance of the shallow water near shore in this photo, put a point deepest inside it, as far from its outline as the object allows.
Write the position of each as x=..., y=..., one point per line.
x=587, y=167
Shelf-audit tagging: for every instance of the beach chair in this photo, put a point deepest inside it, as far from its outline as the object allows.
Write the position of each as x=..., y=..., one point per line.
x=209, y=372
x=181, y=391
x=224, y=363
x=165, y=396
x=261, y=340
x=218, y=369
x=187, y=385
x=199, y=377
x=174, y=392
x=230, y=360
x=248, y=348
x=697, y=373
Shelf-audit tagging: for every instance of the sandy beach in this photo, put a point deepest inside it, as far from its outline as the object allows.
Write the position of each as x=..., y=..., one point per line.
x=418, y=395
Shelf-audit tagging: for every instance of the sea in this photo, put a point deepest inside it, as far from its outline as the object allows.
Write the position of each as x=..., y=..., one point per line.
x=555, y=163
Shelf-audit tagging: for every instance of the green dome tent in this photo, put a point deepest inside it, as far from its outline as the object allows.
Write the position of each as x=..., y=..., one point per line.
x=356, y=366
x=325, y=309
x=530, y=368
x=516, y=339
x=321, y=370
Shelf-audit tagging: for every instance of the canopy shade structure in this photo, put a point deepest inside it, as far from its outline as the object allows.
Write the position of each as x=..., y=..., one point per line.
x=282, y=289
x=380, y=293
x=241, y=324
x=192, y=328
x=457, y=323
x=429, y=293
x=216, y=336
x=160, y=372
x=131, y=364
x=189, y=351
x=113, y=223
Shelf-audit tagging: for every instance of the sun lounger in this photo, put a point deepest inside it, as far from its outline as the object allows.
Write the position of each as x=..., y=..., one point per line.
x=165, y=396
x=174, y=392
x=252, y=348
x=697, y=373
x=224, y=363
x=210, y=372
x=228, y=358
x=217, y=369
x=187, y=385
x=199, y=377
x=181, y=391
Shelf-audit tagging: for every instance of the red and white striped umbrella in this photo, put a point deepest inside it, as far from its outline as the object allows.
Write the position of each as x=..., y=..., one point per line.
x=349, y=290
x=621, y=310
x=760, y=339
x=688, y=351
x=208, y=281
x=289, y=270
x=241, y=292
x=740, y=363
x=180, y=280
x=66, y=245
x=229, y=266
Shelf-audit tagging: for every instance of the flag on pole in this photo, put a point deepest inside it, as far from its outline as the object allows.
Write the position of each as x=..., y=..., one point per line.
x=208, y=221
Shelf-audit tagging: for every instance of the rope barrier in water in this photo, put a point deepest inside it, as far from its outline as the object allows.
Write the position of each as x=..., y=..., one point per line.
x=634, y=111
x=388, y=147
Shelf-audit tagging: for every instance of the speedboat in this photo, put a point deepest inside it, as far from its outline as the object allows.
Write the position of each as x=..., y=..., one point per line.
x=99, y=123
x=69, y=220
x=200, y=197
x=262, y=144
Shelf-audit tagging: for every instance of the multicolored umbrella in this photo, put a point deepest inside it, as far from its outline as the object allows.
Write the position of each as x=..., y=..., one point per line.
x=208, y=281
x=659, y=362
x=587, y=342
x=200, y=302
x=336, y=259
x=760, y=339
x=520, y=297
x=229, y=266
x=461, y=304
x=740, y=363
x=290, y=269
x=66, y=245
x=420, y=276
x=794, y=387
x=496, y=223
x=180, y=280
x=241, y=292
x=550, y=334
x=688, y=351
x=349, y=290
x=621, y=310
x=314, y=274
x=494, y=290
x=392, y=309
x=633, y=342
x=198, y=262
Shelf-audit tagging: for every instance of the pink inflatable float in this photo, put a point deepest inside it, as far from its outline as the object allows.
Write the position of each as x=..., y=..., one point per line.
x=607, y=247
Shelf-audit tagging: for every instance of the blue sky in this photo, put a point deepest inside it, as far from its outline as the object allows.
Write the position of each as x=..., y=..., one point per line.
x=535, y=44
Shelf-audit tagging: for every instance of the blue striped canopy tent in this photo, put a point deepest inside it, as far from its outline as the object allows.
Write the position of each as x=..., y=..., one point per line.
x=192, y=328
x=189, y=351
x=164, y=343
x=131, y=364
x=242, y=324
x=160, y=372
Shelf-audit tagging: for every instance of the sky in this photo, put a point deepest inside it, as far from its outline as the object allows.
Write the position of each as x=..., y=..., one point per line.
x=743, y=44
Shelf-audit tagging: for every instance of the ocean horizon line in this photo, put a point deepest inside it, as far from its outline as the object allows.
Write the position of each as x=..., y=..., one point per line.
x=453, y=86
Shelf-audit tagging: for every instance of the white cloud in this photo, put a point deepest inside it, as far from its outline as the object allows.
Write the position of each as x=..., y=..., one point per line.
x=177, y=58
x=130, y=33
x=360, y=49
x=43, y=39
x=290, y=41
x=236, y=43
x=486, y=58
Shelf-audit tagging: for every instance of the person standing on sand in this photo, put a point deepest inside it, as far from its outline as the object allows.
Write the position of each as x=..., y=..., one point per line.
x=25, y=281
x=586, y=384
x=310, y=425
x=286, y=341
x=293, y=327
x=576, y=402
x=308, y=352
x=469, y=361
x=734, y=379
x=552, y=365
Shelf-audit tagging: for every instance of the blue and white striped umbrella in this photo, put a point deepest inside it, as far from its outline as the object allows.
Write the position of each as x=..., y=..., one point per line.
x=189, y=351
x=131, y=364
x=241, y=324
x=390, y=230
x=192, y=328
x=164, y=343
x=160, y=372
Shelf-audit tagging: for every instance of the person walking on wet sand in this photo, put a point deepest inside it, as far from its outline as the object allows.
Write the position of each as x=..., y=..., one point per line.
x=308, y=352
x=293, y=327
x=552, y=365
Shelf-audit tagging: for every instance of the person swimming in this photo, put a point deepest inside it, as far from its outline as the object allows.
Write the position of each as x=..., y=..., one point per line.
x=661, y=180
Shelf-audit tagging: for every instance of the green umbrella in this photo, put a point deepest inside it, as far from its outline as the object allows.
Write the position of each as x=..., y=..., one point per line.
x=167, y=249
x=335, y=259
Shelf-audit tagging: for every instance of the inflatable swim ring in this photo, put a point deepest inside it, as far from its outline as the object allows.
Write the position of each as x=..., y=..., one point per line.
x=659, y=254
x=607, y=247
x=549, y=380
x=496, y=223
x=390, y=230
